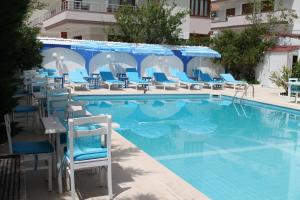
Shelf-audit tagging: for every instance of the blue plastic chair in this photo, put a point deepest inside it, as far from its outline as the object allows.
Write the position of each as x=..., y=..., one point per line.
x=134, y=79
x=197, y=74
x=31, y=148
x=109, y=79
x=161, y=79
x=185, y=80
x=212, y=83
x=76, y=78
x=230, y=80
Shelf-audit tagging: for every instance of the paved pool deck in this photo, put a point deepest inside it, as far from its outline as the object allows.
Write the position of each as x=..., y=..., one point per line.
x=136, y=175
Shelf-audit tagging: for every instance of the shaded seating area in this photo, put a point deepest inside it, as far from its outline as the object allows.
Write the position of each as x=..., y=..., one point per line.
x=77, y=79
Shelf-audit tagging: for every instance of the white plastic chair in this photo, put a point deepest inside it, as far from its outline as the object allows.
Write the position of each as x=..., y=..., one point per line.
x=89, y=146
x=42, y=150
x=294, y=89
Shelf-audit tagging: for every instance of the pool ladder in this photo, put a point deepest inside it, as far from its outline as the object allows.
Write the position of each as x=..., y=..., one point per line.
x=239, y=100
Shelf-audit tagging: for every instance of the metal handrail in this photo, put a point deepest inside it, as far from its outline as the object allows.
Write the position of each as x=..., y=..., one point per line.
x=85, y=6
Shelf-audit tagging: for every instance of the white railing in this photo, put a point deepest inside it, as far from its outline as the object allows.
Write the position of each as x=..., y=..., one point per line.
x=83, y=6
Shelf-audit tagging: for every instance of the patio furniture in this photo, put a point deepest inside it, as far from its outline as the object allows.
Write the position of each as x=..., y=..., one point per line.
x=294, y=88
x=12, y=174
x=211, y=82
x=109, y=79
x=89, y=146
x=230, y=80
x=39, y=149
x=134, y=79
x=93, y=81
x=161, y=79
x=77, y=79
x=55, y=129
x=183, y=79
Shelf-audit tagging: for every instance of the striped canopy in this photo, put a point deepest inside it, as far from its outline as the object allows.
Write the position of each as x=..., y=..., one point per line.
x=151, y=49
x=199, y=51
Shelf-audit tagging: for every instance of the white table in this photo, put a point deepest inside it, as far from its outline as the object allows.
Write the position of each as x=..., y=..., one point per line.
x=52, y=126
x=290, y=84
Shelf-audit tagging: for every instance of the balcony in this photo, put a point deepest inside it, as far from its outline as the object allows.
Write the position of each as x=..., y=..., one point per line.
x=240, y=20
x=81, y=11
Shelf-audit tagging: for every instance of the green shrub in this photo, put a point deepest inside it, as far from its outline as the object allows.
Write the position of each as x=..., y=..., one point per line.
x=281, y=78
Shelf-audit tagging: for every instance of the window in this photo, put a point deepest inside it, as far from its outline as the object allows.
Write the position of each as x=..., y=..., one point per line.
x=64, y=35
x=230, y=12
x=200, y=8
x=247, y=9
x=267, y=6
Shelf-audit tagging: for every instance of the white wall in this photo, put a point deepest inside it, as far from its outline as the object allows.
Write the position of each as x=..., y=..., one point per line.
x=206, y=65
x=119, y=61
x=161, y=63
x=273, y=62
x=71, y=60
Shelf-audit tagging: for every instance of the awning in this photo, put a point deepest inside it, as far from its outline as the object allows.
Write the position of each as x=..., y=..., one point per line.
x=151, y=49
x=200, y=51
x=91, y=46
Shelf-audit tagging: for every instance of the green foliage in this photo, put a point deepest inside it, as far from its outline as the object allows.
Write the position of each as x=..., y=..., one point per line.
x=296, y=71
x=19, y=49
x=281, y=78
x=243, y=51
x=153, y=22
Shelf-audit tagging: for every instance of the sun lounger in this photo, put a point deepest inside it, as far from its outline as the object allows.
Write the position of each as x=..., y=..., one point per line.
x=134, y=79
x=161, y=79
x=230, y=80
x=77, y=79
x=183, y=79
x=210, y=82
x=109, y=79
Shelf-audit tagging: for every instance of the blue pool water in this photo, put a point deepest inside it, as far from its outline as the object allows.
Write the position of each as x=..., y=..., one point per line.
x=227, y=151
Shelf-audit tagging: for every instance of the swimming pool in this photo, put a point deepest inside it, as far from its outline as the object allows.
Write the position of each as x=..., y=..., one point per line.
x=228, y=151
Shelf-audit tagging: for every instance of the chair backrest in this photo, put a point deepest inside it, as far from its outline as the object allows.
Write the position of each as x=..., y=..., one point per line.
x=132, y=76
x=57, y=102
x=39, y=84
x=105, y=76
x=197, y=73
x=83, y=72
x=182, y=76
x=76, y=77
x=293, y=79
x=150, y=71
x=88, y=132
x=8, y=132
x=173, y=71
x=228, y=77
x=206, y=77
x=160, y=77
x=130, y=69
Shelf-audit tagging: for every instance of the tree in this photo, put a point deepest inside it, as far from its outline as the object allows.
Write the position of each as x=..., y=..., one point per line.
x=155, y=22
x=243, y=51
x=19, y=49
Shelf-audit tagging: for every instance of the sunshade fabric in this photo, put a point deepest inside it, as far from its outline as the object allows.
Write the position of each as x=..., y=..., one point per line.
x=199, y=52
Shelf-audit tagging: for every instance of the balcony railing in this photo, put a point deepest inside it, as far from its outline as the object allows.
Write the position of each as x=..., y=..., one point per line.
x=84, y=6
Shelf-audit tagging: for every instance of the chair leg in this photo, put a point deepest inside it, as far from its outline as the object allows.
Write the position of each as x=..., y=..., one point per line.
x=67, y=180
x=50, y=172
x=72, y=177
x=109, y=181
